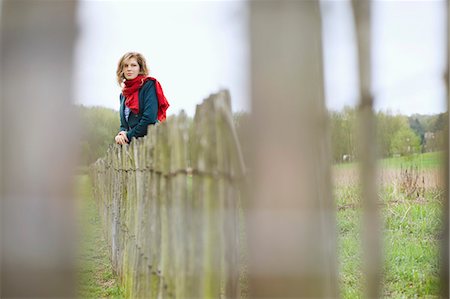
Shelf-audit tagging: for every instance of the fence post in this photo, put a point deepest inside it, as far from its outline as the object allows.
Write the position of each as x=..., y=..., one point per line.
x=373, y=261
x=178, y=138
x=39, y=146
x=445, y=267
x=292, y=230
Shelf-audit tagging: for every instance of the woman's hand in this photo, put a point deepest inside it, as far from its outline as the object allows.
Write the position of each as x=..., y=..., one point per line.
x=124, y=134
x=121, y=138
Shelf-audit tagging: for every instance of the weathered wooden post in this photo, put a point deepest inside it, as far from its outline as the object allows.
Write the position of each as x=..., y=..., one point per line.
x=292, y=230
x=371, y=221
x=39, y=146
x=178, y=137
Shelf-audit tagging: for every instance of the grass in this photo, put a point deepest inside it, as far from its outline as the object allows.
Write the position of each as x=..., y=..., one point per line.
x=96, y=278
x=422, y=161
x=411, y=237
x=412, y=250
x=349, y=253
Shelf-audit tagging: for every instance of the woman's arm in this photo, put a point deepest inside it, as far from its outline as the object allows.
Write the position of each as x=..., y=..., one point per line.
x=149, y=112
x=121, y=137
x=123, y=127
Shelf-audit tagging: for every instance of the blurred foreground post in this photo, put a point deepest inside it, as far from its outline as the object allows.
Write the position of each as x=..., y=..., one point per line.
x=371, y=230
x=445, y=214
x=292, y=230
x=37, y=148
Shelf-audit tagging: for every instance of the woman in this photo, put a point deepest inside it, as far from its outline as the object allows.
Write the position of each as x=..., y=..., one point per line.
x=142, y=101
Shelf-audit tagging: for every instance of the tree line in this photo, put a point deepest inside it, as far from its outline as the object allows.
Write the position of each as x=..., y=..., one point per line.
x=98, y=127
x=396, y=134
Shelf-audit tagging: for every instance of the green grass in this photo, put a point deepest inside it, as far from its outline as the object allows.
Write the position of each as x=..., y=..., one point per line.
x=422, y=161
x=412, y=249
x=349, y=250
x=410, y=237
x=411, y=230
x=411, y=246
x=95, y=276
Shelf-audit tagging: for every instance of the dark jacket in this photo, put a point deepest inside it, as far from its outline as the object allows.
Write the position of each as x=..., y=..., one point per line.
x=137, y=124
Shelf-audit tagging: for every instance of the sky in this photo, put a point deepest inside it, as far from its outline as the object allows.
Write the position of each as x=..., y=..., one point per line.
x=195, y=48
x=408, y=48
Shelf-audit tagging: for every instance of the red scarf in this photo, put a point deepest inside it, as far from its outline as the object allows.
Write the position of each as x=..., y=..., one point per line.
x=131, y=93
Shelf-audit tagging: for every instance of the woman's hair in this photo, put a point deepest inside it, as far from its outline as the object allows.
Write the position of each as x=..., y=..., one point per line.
x=143, y=70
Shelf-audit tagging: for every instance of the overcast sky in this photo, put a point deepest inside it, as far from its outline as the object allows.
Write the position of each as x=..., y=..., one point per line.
x=408, y=55
x=195, y=48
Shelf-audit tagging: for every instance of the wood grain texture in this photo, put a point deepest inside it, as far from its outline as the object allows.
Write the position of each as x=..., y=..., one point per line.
x=169, y=206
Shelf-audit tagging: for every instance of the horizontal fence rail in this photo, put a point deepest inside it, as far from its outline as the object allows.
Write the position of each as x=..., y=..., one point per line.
x=170, y=203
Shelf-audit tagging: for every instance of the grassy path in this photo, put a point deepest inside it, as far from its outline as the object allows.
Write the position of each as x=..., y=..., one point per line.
x=96, y=278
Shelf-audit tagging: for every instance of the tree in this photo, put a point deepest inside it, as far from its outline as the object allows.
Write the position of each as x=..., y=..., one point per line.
x=405, y=142
x=387, y=127
x=439, y=123
x=418, y=128
x=98, y=127
x=434, y=141
x=343, y=133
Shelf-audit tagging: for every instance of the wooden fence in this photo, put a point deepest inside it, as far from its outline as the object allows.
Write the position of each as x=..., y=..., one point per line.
x=170, y=206
x=172, y=200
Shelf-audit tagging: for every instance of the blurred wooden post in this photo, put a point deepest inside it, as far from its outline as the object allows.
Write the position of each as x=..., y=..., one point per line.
x=367, y=148
x=445, y=269
x=292, y=230
x=39, y=146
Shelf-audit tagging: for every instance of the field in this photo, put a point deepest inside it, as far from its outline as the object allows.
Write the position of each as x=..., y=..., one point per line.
x=410, y=193
x=424, y=161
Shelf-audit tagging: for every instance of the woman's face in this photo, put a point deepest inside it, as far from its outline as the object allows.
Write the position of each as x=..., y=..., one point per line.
x=130, y=68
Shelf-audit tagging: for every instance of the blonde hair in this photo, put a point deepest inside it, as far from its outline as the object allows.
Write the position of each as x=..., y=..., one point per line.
x=143, y=70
